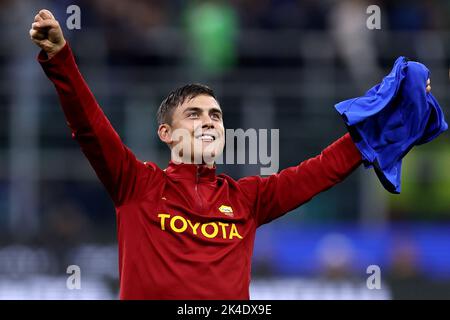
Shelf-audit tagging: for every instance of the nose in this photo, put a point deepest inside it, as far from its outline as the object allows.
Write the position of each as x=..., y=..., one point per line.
x=208, y=125
x=207, y=122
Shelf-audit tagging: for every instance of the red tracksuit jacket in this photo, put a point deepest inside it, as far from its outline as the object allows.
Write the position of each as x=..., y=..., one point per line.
x=185, y=232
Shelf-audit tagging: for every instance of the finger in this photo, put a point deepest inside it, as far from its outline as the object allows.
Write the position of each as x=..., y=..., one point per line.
x=45, y=24
x=428, y=82
x=46, y=14
x=36, y=26
x=37, y=35
x=38, y=42
x=428, y=88
x=38, y=18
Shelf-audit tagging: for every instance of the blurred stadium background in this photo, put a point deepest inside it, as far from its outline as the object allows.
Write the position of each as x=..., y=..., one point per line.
x=274, y=64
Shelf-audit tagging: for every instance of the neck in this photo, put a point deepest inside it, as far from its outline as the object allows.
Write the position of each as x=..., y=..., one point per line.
x=179, y=160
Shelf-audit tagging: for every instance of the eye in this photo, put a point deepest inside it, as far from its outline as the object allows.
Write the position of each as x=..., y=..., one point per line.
x=193, y=115
x=215, y=116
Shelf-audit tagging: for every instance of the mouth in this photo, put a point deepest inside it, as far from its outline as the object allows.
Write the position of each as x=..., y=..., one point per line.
x=206, y=137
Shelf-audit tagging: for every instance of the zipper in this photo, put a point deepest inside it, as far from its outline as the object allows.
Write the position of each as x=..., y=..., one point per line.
x=197, y=180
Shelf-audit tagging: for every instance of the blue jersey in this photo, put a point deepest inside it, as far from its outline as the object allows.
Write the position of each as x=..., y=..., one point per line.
x=391, y=118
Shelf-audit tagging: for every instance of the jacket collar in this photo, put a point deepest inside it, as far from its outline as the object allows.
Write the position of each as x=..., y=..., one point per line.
x=193, y=172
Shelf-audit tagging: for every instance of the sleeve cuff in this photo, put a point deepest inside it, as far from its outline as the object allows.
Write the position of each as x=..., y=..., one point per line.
x=351, y=147
x=62, y=55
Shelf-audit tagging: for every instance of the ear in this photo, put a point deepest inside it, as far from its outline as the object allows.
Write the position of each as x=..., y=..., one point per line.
x=165, y=133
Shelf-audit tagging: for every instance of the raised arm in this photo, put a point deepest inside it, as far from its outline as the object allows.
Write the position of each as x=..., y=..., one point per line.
x=124, y=177
x=280, y=193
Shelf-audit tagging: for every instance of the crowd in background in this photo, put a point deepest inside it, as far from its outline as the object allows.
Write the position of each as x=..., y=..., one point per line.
x=275, y=64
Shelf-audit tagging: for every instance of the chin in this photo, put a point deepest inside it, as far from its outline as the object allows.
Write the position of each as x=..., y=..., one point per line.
x=210, y=154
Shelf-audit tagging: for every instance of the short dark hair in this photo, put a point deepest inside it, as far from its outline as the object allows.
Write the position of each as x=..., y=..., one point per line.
x=178, y=97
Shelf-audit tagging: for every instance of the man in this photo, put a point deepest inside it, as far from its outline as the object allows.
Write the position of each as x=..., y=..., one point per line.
x=183, y=232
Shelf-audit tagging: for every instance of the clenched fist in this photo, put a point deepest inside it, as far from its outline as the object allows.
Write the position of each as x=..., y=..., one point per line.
x=47, y=34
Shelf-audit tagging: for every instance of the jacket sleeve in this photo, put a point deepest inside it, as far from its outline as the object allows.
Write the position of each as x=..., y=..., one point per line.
x=123, y=176
x=273, y=196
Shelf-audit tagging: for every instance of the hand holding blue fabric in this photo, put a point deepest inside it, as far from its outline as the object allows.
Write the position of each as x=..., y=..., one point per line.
x=391, y=118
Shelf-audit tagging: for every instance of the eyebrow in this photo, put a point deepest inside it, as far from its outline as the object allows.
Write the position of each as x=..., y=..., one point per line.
x=197, y=109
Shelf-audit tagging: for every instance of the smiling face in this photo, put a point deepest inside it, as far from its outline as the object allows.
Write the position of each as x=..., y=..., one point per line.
x=196, y=132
